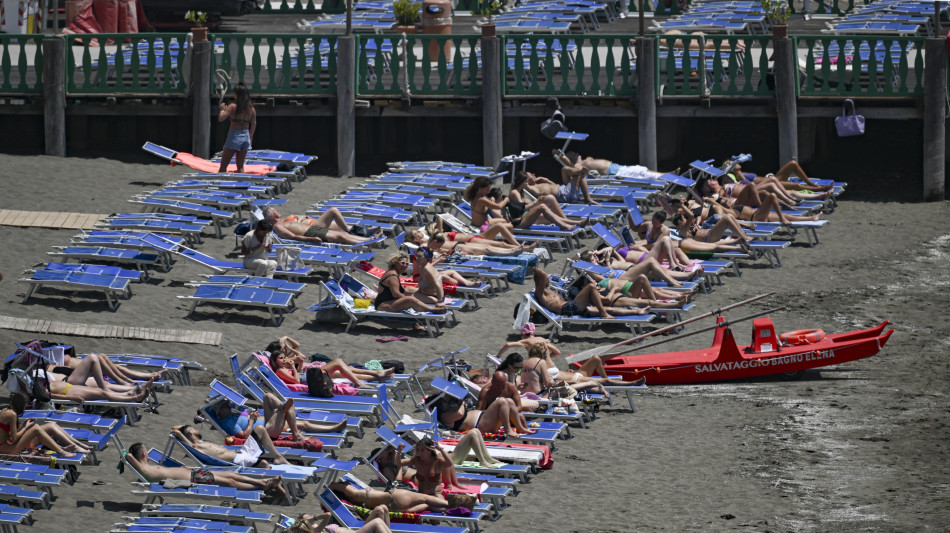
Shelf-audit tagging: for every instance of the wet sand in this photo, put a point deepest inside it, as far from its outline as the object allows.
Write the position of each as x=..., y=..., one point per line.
x=861, y=446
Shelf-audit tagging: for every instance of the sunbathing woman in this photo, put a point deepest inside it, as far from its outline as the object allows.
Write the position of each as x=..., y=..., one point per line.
x=392, y=296
x=652, y=269
x=377, y=521
x=633, y=254
x=455, y=415
x=397, y=500
x=781, y=179
x=638, y=292
x=446, y=243
x=697, y=239
x=768, y=210
x=288, y=372
x=277, y=418
x=63, y=390
x=486, y=210
x=14, y=437
x=289, y=349
x=544, y=210
x=122, y=375
x=592, y=371
x=88, y=371
x=429, y=469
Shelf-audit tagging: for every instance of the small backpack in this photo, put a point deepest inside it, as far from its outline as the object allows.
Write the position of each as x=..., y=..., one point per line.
x=319, y=383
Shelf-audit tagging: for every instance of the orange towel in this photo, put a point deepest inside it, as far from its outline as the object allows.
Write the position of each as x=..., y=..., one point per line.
x=204, y=165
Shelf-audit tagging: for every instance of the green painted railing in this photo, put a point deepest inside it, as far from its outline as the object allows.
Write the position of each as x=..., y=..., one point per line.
x=305, y=7
x=845, y=66
x=825, y=7
x=151, y=63
x=21, y=64
x=284, y=64
x=418, y=65
x=718, y=65
x=595, y=65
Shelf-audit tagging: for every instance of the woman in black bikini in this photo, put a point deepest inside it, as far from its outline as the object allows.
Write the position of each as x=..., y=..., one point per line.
x=15, y=438
x=455, y=415
x=241, y=133
x=545, y=210
x=392, y=296
x=486, y=211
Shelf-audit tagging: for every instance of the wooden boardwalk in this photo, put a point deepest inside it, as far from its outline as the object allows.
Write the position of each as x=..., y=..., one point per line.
x=105, y=331
x=49, y=219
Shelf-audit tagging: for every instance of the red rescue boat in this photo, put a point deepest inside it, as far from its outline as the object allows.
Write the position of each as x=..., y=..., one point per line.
x=725, y=360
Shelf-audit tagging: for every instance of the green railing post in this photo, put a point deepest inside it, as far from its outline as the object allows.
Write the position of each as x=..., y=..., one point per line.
x=346, y=106
x=54, y=96
x=785, y=99
x=201, y=98
x=646, y=100
x=935, y=118
x=492, y=50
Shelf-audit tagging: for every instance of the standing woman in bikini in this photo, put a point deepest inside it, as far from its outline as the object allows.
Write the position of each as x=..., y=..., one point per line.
x=243, y=123
x=15, y=438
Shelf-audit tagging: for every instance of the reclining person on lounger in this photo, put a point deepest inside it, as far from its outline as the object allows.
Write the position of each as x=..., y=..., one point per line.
x=454, y=241
x=120, y=374
x=90, y=371
x=392, y=296
x=287, y=370
x=328, y=227
x=288, y=349
x=502, y=413
x=277, y=418
x=486, y=204
x=746, y=203
x=789, y=193
x=544, y=210
x=397, y=500
x=377, y=521
x=249, y=455
x=587, y=303
x=255, y=245
x=16, y=437
x=570, y=192
x=592, y=371
x=137, y=458
x=390, y=460
x=62, y=387
x=429, y=469
x=604, y=167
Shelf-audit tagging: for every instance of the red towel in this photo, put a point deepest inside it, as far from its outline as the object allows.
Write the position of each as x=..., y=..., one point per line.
x=204, y=165
x=311, y=444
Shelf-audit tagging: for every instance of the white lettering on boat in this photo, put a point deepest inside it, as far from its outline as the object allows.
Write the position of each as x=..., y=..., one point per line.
x=765, y=361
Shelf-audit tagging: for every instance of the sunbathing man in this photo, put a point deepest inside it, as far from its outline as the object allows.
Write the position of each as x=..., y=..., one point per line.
x=575, y=185
x=136, y=457
x=587, y=303
x=249, y=455
x=315, y=230
x=500, y=387
x=277, y=417
x=377, y=521
x=605, y=167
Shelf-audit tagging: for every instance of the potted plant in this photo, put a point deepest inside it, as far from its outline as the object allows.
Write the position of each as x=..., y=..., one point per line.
x=199, y=19
x=489, y=9
x=777, y=11
x=407, y=15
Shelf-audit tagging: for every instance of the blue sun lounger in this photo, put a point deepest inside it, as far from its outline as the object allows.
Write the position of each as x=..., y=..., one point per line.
x=176, y=524
x=132, y=240
x=275, y=302
x=189, y=230
x=24, y=496
x=273, y=284
x=231, y=515
x=633, y=322
x=277, y=156
x=121, y=273
x=220, y=218
x=255, y=189
x=112, y=255
x=113, y=287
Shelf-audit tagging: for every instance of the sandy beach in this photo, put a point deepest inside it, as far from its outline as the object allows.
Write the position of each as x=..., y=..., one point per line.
x=858, y=447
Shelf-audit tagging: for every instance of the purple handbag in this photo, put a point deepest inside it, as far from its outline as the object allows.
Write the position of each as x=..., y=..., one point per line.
x=849, y=125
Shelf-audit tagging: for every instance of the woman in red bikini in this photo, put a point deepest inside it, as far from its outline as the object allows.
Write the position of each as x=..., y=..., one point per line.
x=16, y=437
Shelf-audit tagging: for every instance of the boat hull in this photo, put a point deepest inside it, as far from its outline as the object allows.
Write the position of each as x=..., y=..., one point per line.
x=725, y=361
